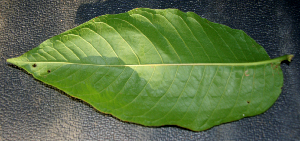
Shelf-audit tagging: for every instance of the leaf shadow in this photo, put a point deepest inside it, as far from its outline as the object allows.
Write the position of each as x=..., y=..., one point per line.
x=286, y=62
x=95, y=60
x=91, y=10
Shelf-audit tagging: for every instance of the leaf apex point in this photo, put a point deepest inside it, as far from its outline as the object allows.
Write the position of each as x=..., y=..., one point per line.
x=290, y=57
x=10, y=60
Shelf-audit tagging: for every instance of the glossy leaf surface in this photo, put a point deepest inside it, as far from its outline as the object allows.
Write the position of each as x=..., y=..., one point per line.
x=160, y=67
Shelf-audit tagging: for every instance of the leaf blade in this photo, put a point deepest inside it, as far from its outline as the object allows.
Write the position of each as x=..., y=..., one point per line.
x=160, y=76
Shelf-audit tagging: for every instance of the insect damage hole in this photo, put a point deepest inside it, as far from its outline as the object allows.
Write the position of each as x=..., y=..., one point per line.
x=34, y=65
x=248, y=102
x=48, y=71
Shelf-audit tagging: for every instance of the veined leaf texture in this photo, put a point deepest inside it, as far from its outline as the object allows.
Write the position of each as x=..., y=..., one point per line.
x=160, y=67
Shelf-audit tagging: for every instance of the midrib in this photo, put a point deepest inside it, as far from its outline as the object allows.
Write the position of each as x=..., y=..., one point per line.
x=275, y=60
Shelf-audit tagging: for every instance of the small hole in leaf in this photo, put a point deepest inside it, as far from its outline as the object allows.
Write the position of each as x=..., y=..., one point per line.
x=34, y=65
x=49, y=71
x=248, y=102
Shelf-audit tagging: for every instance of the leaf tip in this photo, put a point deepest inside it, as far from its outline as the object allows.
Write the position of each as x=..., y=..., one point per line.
x=290, y=57
x=11, y=60
x=17, y=60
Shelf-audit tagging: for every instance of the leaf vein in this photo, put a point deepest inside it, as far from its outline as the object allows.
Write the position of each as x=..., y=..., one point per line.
x=84, y=79
x=214, y=46
x=125, y=42
x=180, y=37
x=179, y=95
x=236, y=101
x=196, y=38
x=146, y=38
x=123, y=86
x=139, y=92
x=59, y=52
x=112, y=81
x=42, y=49
x=78, y=46
x=162, y=36
x=220, y=98
x=162, y=95
x=68, y=48
x=206, y=93
x=224, y=29
x=224, y=41
x=195, y=93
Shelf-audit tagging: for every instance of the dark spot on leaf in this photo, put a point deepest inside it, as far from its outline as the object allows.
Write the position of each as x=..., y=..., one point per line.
x=49, y=71
x=34, y=65
x=248, y=102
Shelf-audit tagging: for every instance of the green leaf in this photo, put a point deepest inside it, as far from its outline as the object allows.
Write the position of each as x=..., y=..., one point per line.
x=160, y=67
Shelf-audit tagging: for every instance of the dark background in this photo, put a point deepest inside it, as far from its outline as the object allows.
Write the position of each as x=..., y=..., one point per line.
x=31, y=110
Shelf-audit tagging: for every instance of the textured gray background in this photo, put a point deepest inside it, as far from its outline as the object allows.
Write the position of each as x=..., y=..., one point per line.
x=31, y=110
